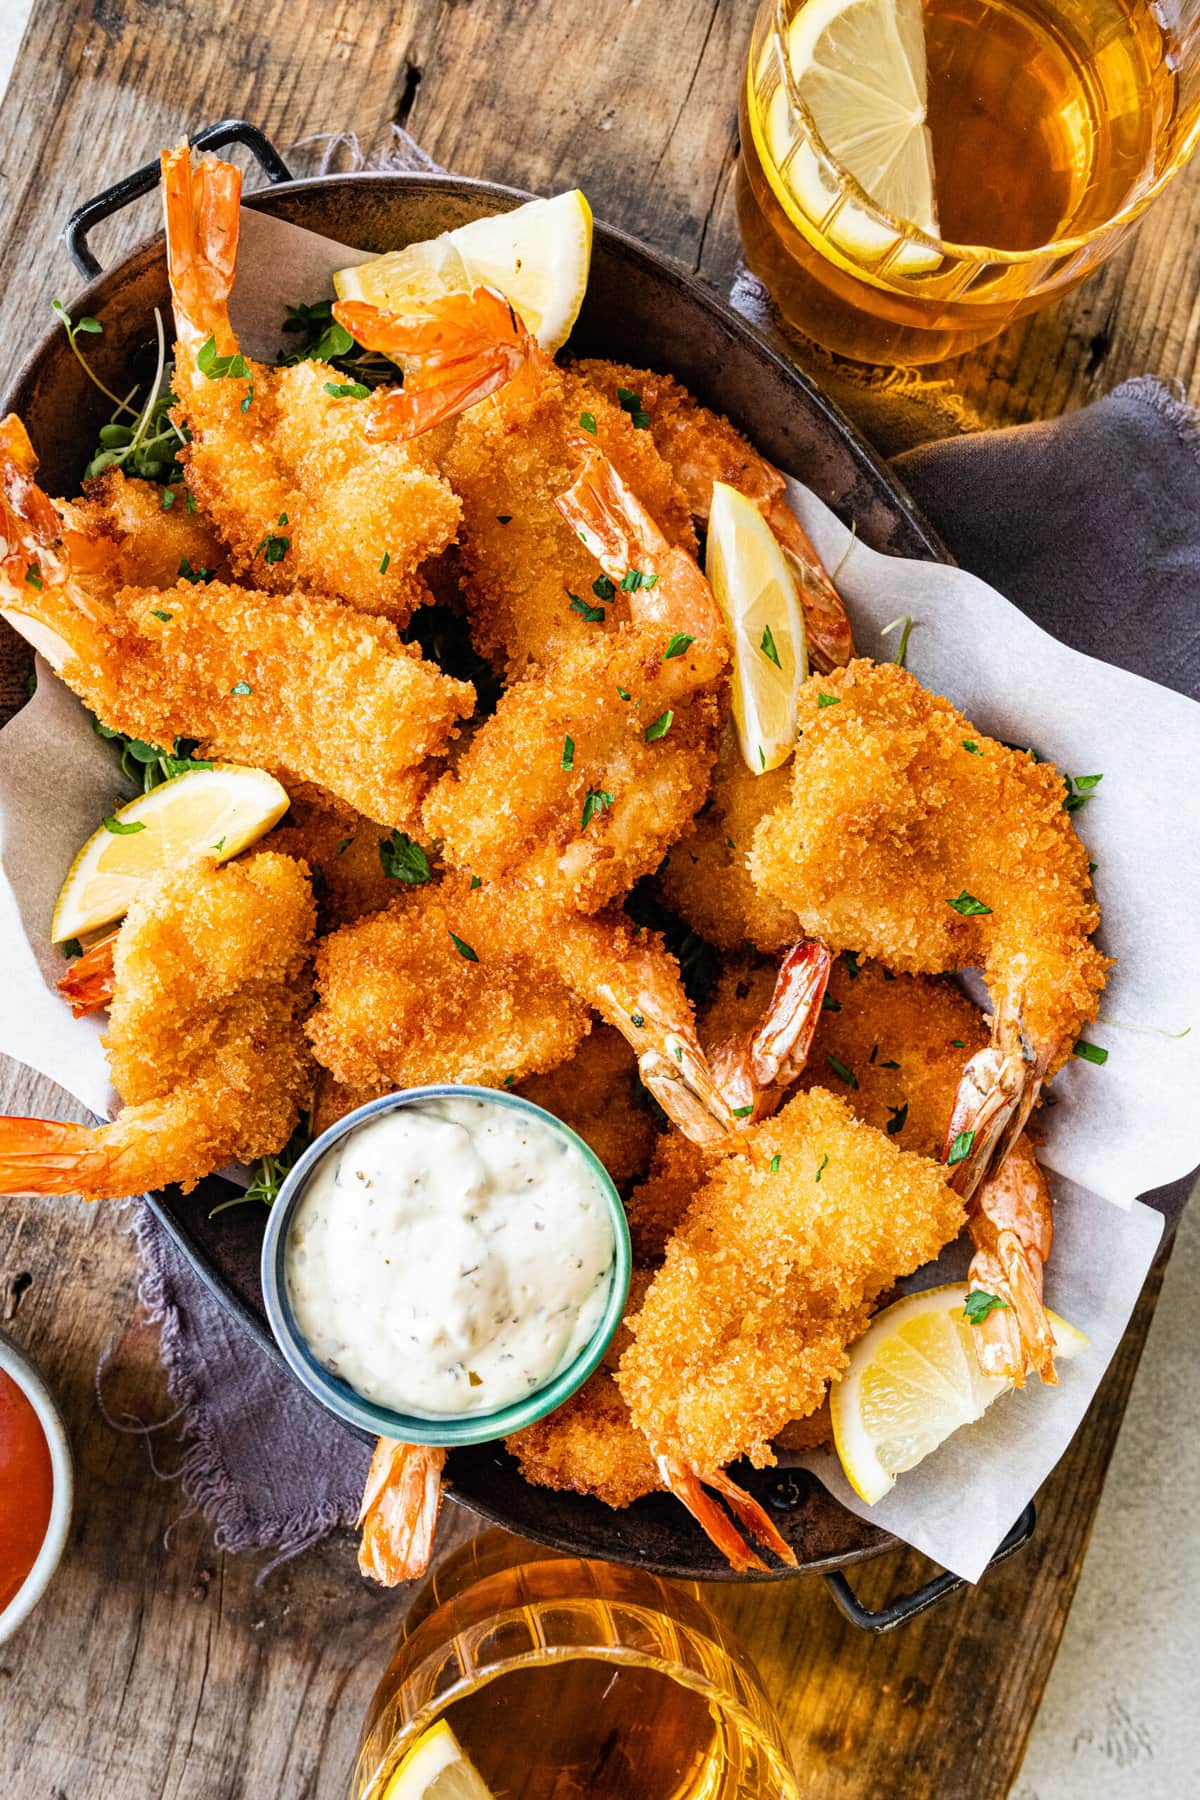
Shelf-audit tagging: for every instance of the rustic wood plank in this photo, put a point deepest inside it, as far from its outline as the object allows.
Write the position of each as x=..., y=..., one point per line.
x=161, y=1669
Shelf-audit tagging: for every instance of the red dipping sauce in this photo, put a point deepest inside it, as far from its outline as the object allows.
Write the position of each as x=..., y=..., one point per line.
x=26, y=1487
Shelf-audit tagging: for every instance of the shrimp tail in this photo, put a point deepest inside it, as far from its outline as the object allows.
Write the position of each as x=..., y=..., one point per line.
x=1012, y=1226
x=201, y=214
x=88, y=983
x=756, y=1068
x=689, y=1489
x=399, y=1511
x=827, y=630
x=993, y=1101
x=686, y=1088
x=456, y=351
x=51, y=1156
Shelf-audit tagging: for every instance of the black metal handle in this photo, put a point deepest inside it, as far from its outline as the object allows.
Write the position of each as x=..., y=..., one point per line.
x=899, y=1612
x=145, y=180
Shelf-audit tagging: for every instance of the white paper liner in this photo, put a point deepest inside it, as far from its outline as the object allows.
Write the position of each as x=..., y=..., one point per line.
x=1116, y=1131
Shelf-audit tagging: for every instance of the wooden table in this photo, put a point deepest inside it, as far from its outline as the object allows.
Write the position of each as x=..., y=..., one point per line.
x=159, y=1668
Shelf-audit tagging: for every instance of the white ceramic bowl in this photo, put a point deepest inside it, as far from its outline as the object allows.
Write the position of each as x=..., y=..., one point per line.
x=15, y=1363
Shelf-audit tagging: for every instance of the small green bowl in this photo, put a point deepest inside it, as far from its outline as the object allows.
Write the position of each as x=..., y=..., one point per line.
x=345, y=1402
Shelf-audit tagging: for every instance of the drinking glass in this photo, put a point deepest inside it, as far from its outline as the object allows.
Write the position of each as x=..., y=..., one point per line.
x=1053, y=125
x=561, y=1677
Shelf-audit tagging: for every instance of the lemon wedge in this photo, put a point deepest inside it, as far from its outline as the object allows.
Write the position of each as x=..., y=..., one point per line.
x=912, y=1381
x=756, y=591
x=436, y=1768
x=859, y=66
x=538, y=256
x=222, y=809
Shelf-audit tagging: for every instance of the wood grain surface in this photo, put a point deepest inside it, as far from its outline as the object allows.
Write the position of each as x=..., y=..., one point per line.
x=157, y=1666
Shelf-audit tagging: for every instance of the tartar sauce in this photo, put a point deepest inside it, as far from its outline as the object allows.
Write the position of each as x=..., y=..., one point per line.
x=449, y=1256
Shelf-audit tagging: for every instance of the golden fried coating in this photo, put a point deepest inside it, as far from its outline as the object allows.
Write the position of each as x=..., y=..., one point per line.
x=705, y=879
x=521, y=563
x=149, y=543
x=657, y=1205
x=400, y=1004
x=271, y=680
x=904, y=842
x=204, y=1041
x=598, y=1094
x=770, y=1277
x=588, y=1446
x=342, y=850
x=812, y=1433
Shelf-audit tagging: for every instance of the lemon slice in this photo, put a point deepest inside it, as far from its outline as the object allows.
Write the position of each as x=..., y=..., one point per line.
x=537, y=255
x=221, y=809
x=912, y=1381
x=436, y=1768
x=859, y=66
x=756, y=591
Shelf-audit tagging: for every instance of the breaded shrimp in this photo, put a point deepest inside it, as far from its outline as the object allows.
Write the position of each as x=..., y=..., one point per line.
x=146, y=543
x=765, y=1282
x=277, y=461
x=700, y=447
x=597, y=1093
x=911, y=837
x=342, y=850
x=205, y=1043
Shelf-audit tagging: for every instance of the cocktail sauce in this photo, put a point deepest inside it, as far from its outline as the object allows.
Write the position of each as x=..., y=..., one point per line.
x=26, y=1487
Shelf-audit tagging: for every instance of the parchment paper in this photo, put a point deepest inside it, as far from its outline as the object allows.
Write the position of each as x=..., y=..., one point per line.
x=1116, y=1131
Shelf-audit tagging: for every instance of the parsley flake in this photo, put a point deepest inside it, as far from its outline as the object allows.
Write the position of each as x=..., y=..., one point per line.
x=967, y=906
x=742, y=1112
x=767, y=646
x=824, y=700
x=623, y=694
x=404, y=860
x=850, y=959
x=476, y=882
x=1090, y=1052
x=840, y=1070
x=678, y=644
x=347, y=390
x=33, y=577
x=775, y=1162
x=168, y=499
x=959, y=1043
x=567, y=760
x=898, y=1119
x=632, y=404
x=464, y=950
x=1079, y=790
x=659, y=728
x=504, y=518
x=383, y=567
x=157, y=612
x=595, y=801
x=120, y=828
x=637, y=1020
x=824, y=1165
x=978, y=1305
x=972, y=746
x=593, y=614
x=603, y=588
x=961, y=1148
x=273, y=549
x=588, y=421
x=71, y=947
x=241, y=687
x=828, y=1005
x=631, y=581
x=187, y=573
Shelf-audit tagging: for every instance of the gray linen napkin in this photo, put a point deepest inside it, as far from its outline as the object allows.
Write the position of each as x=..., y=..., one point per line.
x=1090, y=523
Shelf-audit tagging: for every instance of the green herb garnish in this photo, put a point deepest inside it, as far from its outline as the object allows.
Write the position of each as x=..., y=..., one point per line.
x=404, y=860
x=1090, y=1052
x=978, y=1305
x=967, y=906
x=567, y=760
x=348, y=390
x=678, y=644
x=120, y=828
x=659, y=728
x=767, y=646
x=595, y=801
x=593, y=614
x=464, y=950
x=632, y=404
x=823, y=1166
x=840, y=1070
x=961, y=1148
x=898, y=1119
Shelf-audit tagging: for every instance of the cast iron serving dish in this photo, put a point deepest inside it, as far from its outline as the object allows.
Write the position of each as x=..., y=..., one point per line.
x=639, y=309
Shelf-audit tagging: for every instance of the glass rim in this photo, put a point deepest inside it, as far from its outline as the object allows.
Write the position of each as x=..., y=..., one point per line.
x=344, y=1401
x=947, y=247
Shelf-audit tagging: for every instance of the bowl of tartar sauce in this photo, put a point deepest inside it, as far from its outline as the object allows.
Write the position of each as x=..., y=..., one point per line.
x=445, y=1265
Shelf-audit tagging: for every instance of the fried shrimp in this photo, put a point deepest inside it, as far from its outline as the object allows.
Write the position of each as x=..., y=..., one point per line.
x=597, y=1093
x=278, y=458
x=765, y=1283
x=204, y=1042
x=141, y=540
x=700, y=447
x=344, y=851
x=910, y=837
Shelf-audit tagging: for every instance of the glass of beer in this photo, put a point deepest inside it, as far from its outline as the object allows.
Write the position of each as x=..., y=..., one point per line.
x=560, y=1677
x=914, y=176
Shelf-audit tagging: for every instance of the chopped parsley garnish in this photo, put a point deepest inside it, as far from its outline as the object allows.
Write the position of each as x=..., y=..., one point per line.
x=678, y=644
x=623, y=694
x=767, y=646
x=762, y=757
x=889, y=1065
x=824, y=700
x=840, y=1070
x=476, y=882
x=218, y=846
x=775, y=1162
x=961, y=1148
x=595, y=801
x=1079, y=790
x=593, y=614
x=1090, y=1052
x=632, y=404
x=637, y=1020
x=603, y=588
x=659, y=728
x=218, y=368
x=828, y=1005
x=146, y=764
x=898, y=1119
x=241, y=687
x=168, y=499
x=343, y=846
x=404, y=860
x=157, y=612
x=972, y=746
x=850, y=959
x=588, y=421
x=383, y=567
x=959, y=1043
x=504, y=518
x=742, y=1112
x=567, y=760
x=33, y=577
x=273, y=549
x=71, y=947
x=247, y=398
x=978, y=1305
x=464, y=950
x=823, y=1166
x=187, y=573
x=121, y=828
x=348, y=390
x=967, y=906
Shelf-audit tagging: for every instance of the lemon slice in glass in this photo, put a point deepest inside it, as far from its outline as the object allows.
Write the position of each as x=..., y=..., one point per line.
x=859, y=66
x=221, y=809
x=912, y=1381
x=756, y=591
x=537, y=255
x=436, y=1768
